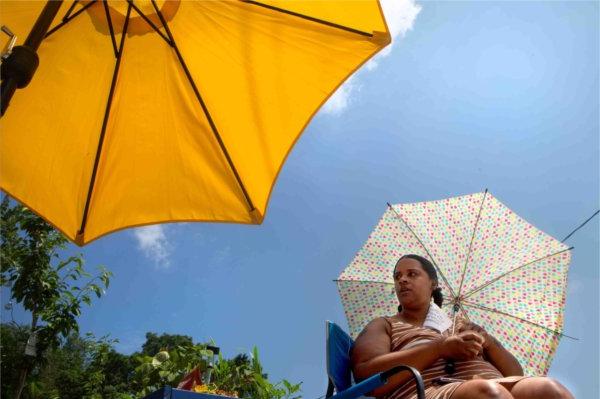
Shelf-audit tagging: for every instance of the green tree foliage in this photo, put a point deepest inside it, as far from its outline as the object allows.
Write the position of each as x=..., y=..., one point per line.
x=12, y=346
x=168, y=367
x=112, y=373
x=90, y=368
x=62, y=364
x=245, y=375
x=155, y=343
x=53, y=289
x=81, y=367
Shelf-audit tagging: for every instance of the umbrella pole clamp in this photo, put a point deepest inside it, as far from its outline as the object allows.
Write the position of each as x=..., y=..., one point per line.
x=455, y=309
x=20, y=63
x=17, y=69
x=9, y=46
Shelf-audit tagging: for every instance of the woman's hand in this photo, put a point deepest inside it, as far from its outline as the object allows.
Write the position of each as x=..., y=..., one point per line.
x=487, y=338
x=463, y=346
x=495, y=353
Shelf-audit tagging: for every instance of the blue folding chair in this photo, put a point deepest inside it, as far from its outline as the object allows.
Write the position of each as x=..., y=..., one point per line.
x=339, y=344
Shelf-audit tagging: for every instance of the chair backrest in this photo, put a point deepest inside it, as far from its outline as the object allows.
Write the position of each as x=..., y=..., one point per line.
x=338, y=347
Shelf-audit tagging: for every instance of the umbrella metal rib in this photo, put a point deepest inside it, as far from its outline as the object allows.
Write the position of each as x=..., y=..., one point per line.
x=70, y=10
x=425, y=248
x=67, y=18
x=309, y=18
x=462, y=279
x=145, y=18
x=361, y=281
x=481, y=307
x=104, y=124
x=484, y=285
x=580, y=226
x=204, y=108
x=171, y=41
x=110, y=28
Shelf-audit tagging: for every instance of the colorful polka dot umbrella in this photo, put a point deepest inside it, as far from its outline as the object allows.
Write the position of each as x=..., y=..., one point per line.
x=505, y=274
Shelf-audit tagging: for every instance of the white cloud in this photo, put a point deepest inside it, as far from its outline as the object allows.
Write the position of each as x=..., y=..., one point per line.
x=341, y=98
x=153, y=242
x=400, y=16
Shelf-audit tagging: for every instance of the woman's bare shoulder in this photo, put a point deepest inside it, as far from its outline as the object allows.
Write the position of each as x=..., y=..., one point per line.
x=375, y=326
x=374, y=340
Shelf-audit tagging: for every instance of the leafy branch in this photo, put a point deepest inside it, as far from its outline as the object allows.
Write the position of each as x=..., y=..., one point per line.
x=41, y=282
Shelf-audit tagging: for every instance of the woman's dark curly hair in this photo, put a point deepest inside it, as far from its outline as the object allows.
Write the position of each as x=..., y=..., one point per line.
x=437, y=296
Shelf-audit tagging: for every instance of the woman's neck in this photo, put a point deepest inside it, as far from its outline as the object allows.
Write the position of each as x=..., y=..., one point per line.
x=415, y=316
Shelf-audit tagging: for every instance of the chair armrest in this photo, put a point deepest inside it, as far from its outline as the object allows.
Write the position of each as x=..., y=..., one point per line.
x=380, y=379
x=356, y=390
x=415, y=374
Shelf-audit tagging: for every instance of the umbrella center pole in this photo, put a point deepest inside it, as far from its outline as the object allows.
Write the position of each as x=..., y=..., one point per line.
x=455, y=310
x=19, y=65
x=450, y=368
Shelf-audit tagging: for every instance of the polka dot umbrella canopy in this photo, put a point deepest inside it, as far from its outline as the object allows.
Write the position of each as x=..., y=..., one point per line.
x=505, y=274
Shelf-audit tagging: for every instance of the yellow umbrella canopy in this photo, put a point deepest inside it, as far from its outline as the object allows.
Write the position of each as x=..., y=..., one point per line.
x=145, y=112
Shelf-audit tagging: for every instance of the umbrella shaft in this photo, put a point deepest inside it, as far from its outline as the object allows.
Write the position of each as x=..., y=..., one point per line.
x=8, y=88
x=39, y=30
x=33, y=41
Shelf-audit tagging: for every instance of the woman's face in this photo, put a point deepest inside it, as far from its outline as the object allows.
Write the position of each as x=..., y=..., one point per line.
x=412, y=283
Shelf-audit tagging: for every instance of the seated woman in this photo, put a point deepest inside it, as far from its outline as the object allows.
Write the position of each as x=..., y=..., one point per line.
x=482, y=368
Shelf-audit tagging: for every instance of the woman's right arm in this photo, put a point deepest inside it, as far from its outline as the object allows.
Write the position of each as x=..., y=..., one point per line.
x=372, y=354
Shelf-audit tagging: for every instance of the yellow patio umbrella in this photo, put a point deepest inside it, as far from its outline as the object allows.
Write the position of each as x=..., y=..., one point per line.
x=145, y=112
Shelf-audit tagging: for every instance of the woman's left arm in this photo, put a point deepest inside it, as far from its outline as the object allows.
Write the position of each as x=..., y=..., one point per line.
x=493, y=351
x=501, y=358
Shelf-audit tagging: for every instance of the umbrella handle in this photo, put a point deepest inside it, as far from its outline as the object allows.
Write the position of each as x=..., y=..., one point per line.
x=455, y=308
x=450, y=367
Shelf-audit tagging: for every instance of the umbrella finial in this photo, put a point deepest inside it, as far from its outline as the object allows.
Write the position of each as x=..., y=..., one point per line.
x=79, y=239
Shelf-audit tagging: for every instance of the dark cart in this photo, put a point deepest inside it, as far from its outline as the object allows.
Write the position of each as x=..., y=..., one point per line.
x=172, y=393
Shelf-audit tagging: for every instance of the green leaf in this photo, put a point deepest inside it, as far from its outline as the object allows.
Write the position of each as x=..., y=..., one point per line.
x=97, y=290
x=163, y=373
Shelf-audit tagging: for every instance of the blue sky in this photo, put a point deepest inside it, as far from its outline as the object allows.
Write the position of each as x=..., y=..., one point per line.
x=472, y=95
